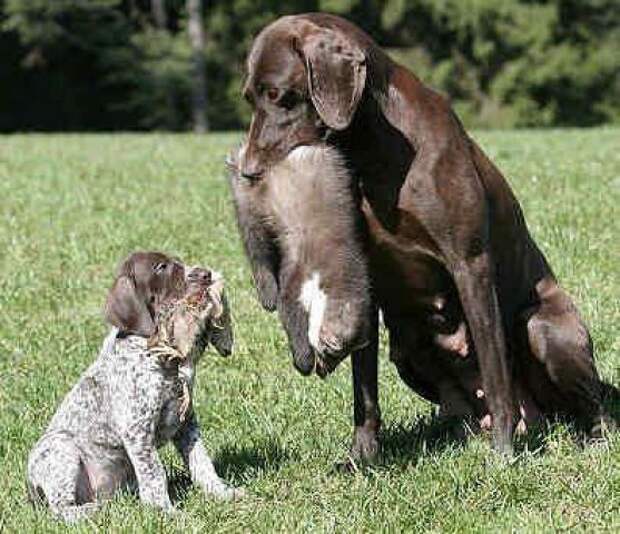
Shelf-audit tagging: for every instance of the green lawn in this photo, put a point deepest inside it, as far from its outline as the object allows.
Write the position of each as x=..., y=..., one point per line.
x=71, y=206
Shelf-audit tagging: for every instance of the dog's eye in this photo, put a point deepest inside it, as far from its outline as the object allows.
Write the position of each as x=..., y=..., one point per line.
x=272, y=93
x=160, y=267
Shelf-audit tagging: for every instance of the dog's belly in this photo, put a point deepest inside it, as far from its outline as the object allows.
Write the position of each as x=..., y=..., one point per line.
x=428, y=368
x=429, y=340
x=416, y=291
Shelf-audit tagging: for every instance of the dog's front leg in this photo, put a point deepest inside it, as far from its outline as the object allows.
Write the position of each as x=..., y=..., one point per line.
x=148, y=468
x=188, y=442
x=475, y=281
x=366, y=412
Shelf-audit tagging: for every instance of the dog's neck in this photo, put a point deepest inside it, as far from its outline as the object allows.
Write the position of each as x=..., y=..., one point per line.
x=380, y=157
x=159, y=347
x=167, y=355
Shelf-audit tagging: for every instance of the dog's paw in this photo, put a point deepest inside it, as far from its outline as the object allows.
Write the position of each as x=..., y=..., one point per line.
x=238, y=493
x=365, y=448
x=229, y=493
x=267, y=289
x=178, y=514
x=365, y=451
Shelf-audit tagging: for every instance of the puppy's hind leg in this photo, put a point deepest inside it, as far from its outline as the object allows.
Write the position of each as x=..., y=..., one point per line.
x=57, y=477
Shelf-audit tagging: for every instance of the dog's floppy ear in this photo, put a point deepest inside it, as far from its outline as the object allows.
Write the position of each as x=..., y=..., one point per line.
x=127, y=310
x=220, y=331
x=336, y=70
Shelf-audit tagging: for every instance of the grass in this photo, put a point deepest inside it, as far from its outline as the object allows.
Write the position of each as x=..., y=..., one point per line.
x=71, y=206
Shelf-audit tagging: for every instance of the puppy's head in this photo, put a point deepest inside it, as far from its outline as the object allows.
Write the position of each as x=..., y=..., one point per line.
x=144, y=281
x=153, y=290
x=305, y=75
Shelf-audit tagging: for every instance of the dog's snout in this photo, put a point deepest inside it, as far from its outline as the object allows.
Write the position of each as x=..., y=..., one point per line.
x=251, y=173
x=249, y=165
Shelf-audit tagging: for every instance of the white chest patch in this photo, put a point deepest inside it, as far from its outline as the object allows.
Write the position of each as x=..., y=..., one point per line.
x=299, y=153
x=314, y=301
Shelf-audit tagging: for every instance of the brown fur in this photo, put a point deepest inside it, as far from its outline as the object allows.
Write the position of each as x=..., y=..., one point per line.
x=442, y=224
x=305, y=212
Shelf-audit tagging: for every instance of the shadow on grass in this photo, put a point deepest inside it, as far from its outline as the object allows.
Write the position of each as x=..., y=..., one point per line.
x=402, y=444
x=179, y=484
x=236, y=465
x=611, y=404
x=239, y=462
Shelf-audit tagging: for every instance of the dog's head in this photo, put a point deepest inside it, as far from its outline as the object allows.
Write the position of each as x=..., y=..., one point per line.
x=158, y=297
x=305, y=75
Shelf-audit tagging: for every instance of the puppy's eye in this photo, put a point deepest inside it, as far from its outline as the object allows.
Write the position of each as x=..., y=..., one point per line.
x=272, y=93
x=160, y=267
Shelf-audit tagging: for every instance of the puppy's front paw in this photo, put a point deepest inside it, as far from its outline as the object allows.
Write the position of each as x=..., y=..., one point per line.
x=229, y=493
x=177, y=514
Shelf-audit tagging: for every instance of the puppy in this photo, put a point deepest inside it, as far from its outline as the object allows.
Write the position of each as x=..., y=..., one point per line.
x=136, y=396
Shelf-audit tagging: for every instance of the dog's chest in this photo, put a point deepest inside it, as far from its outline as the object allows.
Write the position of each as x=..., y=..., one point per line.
x=175, y=402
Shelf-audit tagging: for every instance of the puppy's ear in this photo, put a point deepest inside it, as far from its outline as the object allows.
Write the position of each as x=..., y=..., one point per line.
x=220, y=330
x=336, y=70
x=127, y=310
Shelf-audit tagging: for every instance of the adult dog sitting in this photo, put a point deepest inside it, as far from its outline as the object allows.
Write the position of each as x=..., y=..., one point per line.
x=477, y=321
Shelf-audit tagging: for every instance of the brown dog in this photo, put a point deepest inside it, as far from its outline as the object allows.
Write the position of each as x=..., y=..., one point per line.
x=471, y=304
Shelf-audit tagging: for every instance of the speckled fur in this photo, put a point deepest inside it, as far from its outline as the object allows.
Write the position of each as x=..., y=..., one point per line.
x=105, y=435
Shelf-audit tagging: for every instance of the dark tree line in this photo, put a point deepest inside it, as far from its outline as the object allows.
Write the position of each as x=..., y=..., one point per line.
x=148, y=64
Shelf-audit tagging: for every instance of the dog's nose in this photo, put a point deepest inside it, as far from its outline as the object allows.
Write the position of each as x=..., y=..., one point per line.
x=251, y=173
x=249, y=163
x=250, y=167
x=200, y=275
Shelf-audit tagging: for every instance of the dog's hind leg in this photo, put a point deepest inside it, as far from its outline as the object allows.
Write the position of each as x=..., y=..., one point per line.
x=559, y=368
x=57, y=477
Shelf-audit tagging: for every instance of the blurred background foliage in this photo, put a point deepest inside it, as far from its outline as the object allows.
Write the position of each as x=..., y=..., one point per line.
x=125, y=64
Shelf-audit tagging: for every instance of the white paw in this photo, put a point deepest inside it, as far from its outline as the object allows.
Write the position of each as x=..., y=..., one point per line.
x=229, y=493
